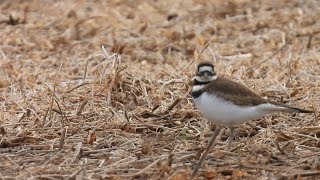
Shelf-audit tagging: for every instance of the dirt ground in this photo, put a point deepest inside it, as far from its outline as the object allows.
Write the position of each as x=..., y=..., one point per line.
x=101, y=89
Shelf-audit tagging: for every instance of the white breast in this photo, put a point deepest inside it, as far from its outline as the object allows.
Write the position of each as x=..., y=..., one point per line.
x=226, y=113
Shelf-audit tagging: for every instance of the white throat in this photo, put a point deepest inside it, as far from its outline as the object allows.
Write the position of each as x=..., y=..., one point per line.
x=207, y=79
x=196, y=88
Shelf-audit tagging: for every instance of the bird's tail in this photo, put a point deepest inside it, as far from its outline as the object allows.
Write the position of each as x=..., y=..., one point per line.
x=298, y=110
x=287, y=108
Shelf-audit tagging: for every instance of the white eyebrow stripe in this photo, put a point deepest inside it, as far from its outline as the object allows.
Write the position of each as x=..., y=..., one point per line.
x=205, y=68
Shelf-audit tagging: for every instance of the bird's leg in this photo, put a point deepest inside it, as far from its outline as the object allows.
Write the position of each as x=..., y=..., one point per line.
x=204, y=155
x=231, y=137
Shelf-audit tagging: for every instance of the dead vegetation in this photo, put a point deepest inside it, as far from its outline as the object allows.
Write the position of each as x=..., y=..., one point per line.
x=100, y=89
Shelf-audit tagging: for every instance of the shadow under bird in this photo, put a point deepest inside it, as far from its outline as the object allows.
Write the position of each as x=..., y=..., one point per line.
x=228, y=103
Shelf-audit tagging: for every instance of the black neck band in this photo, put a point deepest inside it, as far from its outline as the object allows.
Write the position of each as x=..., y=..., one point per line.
x=196, y=94
x=196, y=82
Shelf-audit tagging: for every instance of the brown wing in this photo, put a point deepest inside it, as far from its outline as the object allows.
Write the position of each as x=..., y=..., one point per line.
x=235, y=92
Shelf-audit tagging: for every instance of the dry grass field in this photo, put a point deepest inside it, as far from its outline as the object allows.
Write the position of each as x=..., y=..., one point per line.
x=101, y=89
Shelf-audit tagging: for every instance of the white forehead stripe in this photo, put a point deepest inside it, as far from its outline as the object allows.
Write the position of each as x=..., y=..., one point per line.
x=205, y=68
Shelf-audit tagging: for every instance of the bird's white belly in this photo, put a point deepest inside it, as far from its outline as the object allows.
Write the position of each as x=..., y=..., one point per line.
x=226, y=113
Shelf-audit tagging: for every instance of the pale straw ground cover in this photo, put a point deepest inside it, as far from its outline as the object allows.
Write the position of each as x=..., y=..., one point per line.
x=101, y=89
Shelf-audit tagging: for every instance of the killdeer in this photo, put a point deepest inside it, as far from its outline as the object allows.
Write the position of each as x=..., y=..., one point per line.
x=228, y=103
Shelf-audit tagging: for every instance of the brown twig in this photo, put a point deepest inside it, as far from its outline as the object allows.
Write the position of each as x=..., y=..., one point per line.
x=175, y=102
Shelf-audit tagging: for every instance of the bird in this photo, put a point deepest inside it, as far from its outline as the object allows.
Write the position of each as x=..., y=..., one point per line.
x=228, y=103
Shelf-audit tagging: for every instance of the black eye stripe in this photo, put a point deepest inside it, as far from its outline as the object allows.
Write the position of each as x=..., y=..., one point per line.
x=202, y=73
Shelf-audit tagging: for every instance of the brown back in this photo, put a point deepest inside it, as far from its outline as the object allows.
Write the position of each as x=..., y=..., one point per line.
x=235, y=92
